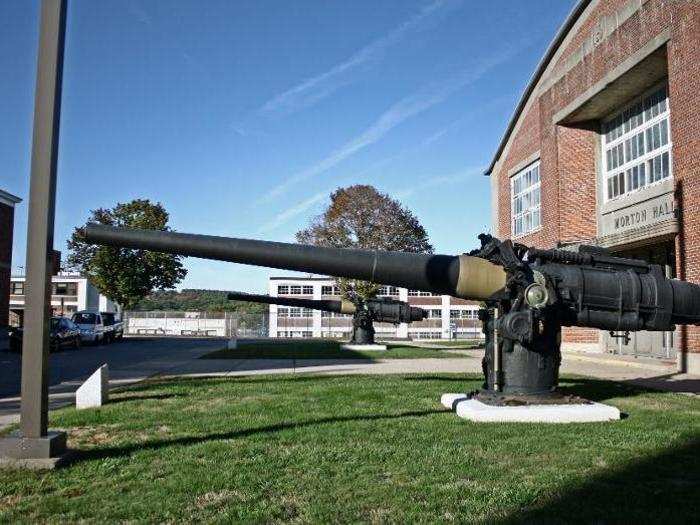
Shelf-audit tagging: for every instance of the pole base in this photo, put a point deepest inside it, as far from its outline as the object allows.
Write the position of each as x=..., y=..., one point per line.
x=43, y=453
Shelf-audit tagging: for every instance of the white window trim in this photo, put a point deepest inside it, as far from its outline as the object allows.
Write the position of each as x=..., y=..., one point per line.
x=513, y=196
x=622, y=168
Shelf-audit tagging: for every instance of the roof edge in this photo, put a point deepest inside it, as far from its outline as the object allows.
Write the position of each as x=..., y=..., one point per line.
x=539, y=70
x=9, y=197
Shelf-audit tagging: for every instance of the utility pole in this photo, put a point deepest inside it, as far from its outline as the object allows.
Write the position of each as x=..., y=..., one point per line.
x=34, y=446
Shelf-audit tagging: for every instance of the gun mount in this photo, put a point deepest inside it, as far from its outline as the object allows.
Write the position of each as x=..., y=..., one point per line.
x=364, y=311
x=530, y=293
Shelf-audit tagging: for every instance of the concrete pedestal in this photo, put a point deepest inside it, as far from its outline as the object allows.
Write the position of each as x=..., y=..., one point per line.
x=475, y=410
x=363, y=347
x=95, y=391
x=42, y=453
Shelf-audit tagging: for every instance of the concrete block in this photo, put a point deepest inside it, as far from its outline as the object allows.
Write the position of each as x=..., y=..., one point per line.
x=475, y=410
x=363, y=347
x=451, y=400
x=95, y=391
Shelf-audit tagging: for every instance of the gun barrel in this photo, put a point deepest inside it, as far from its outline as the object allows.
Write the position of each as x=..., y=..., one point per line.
x=459, y=276
x=328, y=305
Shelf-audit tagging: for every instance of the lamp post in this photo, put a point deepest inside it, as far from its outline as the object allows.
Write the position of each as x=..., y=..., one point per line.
x=34, y=446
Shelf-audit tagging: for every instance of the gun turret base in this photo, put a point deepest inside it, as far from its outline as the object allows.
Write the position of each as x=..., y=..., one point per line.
x=555, y=397
x=362, y=330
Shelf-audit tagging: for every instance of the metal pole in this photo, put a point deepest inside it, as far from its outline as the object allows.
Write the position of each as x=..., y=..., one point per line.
x=42, y=199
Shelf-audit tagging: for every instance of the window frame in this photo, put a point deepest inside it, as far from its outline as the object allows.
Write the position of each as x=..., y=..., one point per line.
x=623, y=172
x=531, y=189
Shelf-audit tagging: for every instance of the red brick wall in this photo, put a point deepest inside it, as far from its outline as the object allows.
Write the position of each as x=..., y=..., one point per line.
x=6, y=227
x=568, y=156
x=684, y=86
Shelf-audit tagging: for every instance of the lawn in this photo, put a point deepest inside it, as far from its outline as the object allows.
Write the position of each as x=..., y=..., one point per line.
x=321, y=349
x=360, y=449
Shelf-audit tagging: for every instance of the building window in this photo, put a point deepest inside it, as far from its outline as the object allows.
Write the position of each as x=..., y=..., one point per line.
x=418, y=293
x=637, y=145
x=464, y=314
x=16, y=288
x=435, y=313
x=299, y=312
x=427, y=335
x=525, y=200
x=330, y=290
x=65, y=289
x=283, y=289
x=388, y=291
x=308, y=290
x=282, y=312
x=295, y=290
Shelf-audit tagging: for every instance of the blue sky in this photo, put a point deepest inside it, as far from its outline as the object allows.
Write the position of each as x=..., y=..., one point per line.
x=241, y=117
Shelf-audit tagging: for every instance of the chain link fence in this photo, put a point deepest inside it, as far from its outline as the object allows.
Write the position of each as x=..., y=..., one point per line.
x=200, y=324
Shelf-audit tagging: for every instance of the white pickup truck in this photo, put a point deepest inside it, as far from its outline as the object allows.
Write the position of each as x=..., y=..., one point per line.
x=92, y=329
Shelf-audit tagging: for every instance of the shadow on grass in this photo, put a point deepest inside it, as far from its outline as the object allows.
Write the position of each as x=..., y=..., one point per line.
x=592, y=389
x=663, y=488
x=599, y=389
x=125, y=451
x=144, y=398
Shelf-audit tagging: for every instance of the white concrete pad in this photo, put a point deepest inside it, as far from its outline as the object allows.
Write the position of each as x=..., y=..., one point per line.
x=363, y=347
x=95, y=391
x=451, y=400
x=475, y=410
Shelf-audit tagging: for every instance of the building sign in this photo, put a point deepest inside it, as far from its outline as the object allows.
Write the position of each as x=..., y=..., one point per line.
x=640, y=220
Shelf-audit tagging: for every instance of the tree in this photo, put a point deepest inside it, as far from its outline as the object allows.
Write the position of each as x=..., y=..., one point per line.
x=124, y=275
x=359, y=216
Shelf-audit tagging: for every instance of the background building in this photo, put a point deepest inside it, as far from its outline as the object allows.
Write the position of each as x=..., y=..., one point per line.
x=7, y=220
x=448, y=317
x=70, y=293
x=603, y=148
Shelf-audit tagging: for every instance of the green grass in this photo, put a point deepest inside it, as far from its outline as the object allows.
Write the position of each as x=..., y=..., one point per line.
x=466, y=344
x=360, y=449
x=321, y=349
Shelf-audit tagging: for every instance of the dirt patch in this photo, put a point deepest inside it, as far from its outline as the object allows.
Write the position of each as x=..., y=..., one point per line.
x=216, y=499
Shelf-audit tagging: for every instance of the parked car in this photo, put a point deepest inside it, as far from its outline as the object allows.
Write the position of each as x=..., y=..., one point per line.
x=114, y=326
x=92, y=329
x=62, y=333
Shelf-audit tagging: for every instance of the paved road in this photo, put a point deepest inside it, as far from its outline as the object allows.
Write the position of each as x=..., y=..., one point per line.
x=129, y=360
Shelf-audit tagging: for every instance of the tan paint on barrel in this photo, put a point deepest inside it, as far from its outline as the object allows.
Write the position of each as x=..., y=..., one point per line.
x=479, y=279
x=347, y=307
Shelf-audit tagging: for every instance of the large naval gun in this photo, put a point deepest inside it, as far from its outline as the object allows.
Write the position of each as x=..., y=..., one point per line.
x=364, y=311
x=529, y=293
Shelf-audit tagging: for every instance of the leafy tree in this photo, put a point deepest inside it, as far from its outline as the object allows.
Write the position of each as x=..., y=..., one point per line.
x=359, y=216
x=126, y=275
x=191, y=300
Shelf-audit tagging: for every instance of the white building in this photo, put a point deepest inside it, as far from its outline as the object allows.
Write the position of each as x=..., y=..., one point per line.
x=70, y=293
x=448, y=317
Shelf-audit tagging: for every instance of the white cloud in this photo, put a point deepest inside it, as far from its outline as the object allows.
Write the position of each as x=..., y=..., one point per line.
x=320, y=86
x=288, y=214
x=402, y=110
x=443, y=180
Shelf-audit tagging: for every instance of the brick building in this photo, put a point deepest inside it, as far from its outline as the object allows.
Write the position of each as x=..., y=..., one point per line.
x=7, y=219
x=603, y=148
x=448, y=317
